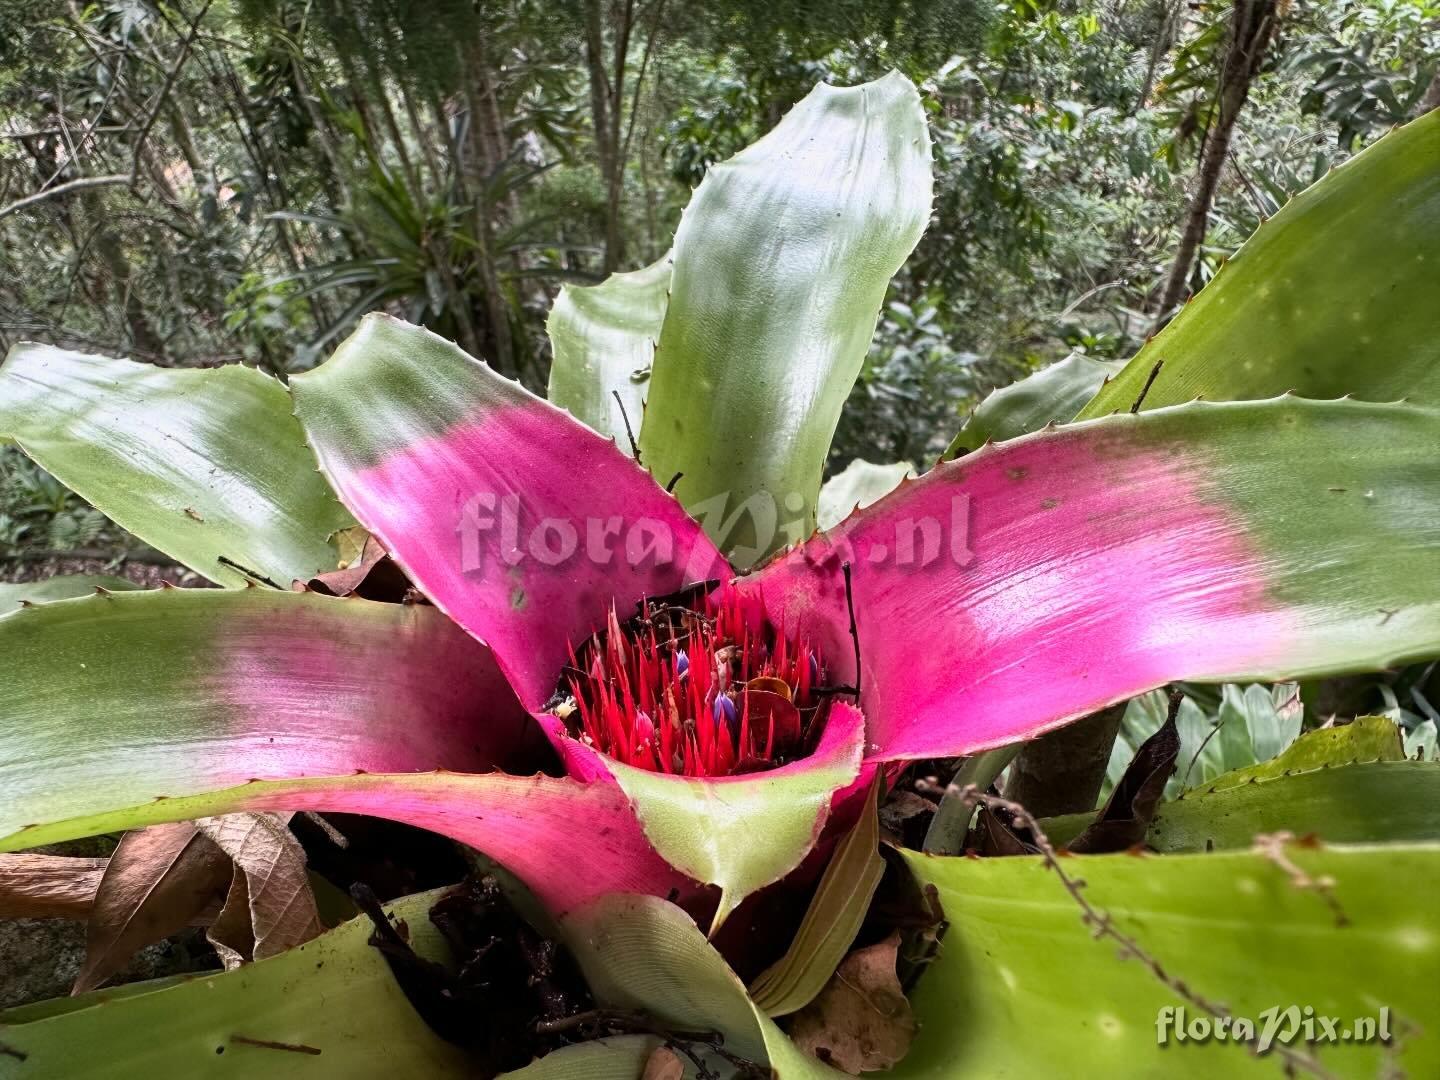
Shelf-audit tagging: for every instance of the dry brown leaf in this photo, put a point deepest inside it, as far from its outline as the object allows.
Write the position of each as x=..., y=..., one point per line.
x=48, y=886
x=156, y=882
x=277, y=894
x=663, y=1064
x=861, y=1022
x=231, y=933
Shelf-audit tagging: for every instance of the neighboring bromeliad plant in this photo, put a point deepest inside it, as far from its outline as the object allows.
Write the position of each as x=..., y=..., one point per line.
x=714, y=721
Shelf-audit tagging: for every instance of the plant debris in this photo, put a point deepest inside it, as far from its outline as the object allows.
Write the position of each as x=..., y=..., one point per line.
x=1126, y=818
x=663, y=1064
x=862, y=1021
x=157, y=882
x=510, y=982
x=371, y=575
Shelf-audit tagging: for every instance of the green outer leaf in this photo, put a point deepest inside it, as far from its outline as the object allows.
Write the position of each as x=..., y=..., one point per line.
x=1368, y=738
x=602, y=338
x=831, y=921
x=1055, y=393
x=1334, y=295
x=1022, y=988
x=639, y=952
x=1389, y=801
x=621, y=1058
x=781, y=263
x=860, y=484
x=200, y=464
x=65, y=587
x=1367, y=802
x=335, y=994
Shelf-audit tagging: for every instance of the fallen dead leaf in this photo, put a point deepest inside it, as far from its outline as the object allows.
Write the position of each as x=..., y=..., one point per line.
x=231, y=933
x=48, y=886
x=663, y=1064
x=861, y=1022
x=158, y=880
x=1127, y=814
x=370, y=574
x=275, y=890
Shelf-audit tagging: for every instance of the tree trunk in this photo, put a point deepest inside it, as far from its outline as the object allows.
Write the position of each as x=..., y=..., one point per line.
x=607, y=110
x=1061, y=772
x=1252, y=26
x=1431, y=100
x=489, y=143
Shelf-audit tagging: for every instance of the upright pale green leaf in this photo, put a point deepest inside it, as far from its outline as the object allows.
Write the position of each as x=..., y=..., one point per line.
x=860, y=484
x=1022, y=987
x=329, y=1008
x=781, y=264
x=208, y=466
x=602, y=338
x=1055, y=393
x=1334, y=295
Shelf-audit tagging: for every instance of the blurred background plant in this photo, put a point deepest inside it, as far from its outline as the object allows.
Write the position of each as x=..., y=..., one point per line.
x=207, y=181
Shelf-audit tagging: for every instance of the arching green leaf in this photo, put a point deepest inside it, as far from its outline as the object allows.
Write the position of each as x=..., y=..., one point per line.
x=208, y=466
x=1023, y=987
x=1055, y=393
x=1334, y=295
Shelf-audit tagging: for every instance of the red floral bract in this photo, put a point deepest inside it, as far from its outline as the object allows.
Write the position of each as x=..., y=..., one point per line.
x=709, y=688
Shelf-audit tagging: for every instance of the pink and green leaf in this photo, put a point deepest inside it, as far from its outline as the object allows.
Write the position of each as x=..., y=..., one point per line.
x=141, y=708
x=428, y=447
x=1078, y=567
x=781, y=261
x=208, y=466
x=1334, y=295
x=602, y=341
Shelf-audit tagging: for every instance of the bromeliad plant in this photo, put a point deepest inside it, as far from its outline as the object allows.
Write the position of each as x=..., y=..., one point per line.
x=714, y=728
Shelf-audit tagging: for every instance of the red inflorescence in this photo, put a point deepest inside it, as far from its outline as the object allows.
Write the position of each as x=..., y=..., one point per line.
x=710, y=689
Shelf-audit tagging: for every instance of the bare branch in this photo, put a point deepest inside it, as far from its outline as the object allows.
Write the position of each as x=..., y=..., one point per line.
x=65, y=188
x=164, y=93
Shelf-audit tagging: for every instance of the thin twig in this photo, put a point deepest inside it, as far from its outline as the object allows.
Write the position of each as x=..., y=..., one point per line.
x=615, y=1021
x=1149, y=382
x=629, y=434
x=160, y=99
x=670, y=487
x=1103, y=926
x=854, y=630
x=65, y=188
x=225, y=560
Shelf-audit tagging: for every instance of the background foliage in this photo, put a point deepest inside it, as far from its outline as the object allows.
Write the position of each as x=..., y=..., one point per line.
x=249, y=176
